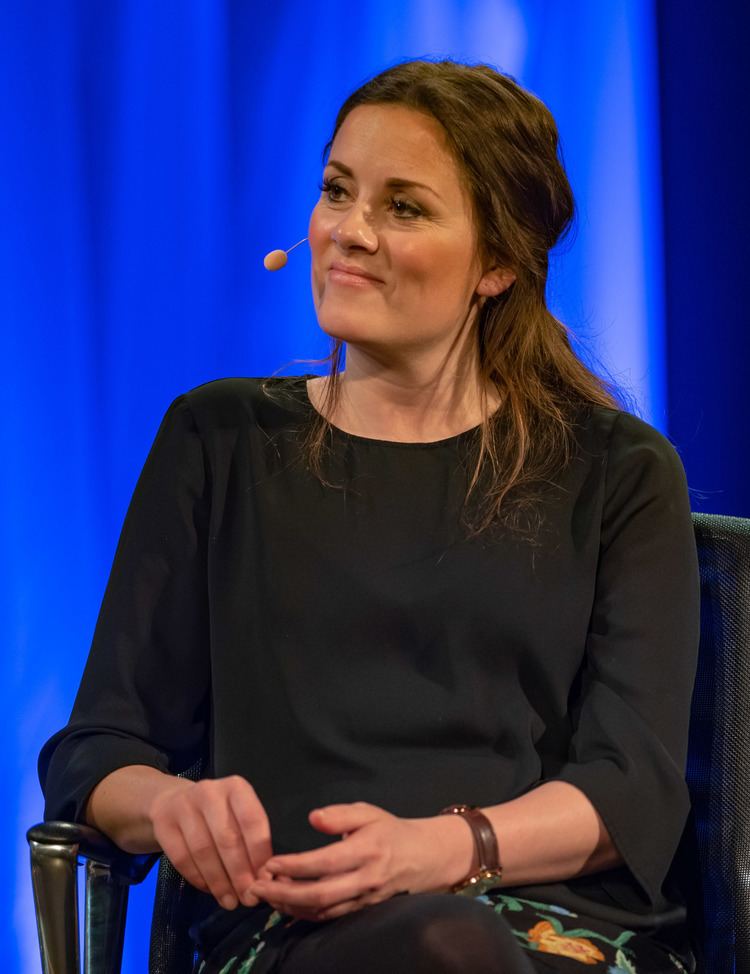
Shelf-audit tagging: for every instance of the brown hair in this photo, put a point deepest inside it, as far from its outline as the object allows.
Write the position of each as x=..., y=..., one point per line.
x=505, y=142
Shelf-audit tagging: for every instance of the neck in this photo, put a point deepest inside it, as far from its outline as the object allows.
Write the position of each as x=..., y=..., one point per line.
x=407, y=401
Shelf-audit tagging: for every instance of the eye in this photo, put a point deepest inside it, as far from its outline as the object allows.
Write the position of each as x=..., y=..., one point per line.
x=335, y=192
x=404, y=209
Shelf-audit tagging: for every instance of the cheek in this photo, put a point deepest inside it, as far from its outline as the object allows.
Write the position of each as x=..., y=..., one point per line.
x=439, y=270
x=319, y=238
x=413, y=260
x=318, y=231
x=315, y=238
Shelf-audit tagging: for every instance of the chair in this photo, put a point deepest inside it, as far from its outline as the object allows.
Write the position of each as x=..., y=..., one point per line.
x=718, y=834
x=56, y=848
x=719, y=748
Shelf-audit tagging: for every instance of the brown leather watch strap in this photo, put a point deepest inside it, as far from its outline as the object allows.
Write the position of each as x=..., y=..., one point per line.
x=485, y=841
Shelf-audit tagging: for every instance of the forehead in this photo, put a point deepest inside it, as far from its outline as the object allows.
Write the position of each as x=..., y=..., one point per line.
x=393, y=140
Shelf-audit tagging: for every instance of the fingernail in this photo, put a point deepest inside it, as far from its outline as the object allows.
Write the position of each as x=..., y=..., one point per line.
x=249, y=899
x=228, y=901
x=272, y=865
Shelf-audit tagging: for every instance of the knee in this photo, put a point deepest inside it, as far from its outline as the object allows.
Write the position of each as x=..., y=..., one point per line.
x=455, y=935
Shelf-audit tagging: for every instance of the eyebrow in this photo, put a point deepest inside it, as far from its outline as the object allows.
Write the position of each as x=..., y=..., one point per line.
x=394, y=182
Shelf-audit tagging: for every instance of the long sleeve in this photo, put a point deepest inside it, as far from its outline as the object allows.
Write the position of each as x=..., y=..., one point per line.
x=629, y=745
x=144, y=693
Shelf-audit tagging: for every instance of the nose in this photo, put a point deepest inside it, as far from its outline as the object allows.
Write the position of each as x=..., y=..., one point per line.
x=354, y=230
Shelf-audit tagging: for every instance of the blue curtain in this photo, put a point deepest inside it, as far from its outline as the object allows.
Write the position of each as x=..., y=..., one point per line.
x=153, y=152
x=706, y=206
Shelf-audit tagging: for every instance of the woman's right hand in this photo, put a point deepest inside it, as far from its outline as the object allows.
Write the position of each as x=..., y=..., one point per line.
x=216, y=834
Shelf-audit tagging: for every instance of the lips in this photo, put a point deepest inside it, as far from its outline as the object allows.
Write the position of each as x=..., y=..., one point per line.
x=351, y=274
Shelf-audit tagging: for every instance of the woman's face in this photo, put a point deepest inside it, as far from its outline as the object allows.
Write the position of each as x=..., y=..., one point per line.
x=394, y=250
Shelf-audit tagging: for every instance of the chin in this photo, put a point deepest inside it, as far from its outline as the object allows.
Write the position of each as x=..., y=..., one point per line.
x=350, y=328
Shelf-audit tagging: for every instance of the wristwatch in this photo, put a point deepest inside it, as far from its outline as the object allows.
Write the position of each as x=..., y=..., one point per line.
x=489, y=872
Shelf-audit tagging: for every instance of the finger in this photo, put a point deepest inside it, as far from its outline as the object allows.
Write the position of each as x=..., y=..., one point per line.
x=340, y=857
x=349, y=906
x=203, y=850
x=230, y=845
x=285, y=908
x=335, y=819
x=366, y=899
x=175, y=848
x=315, y=896
x=299, y=913
x=252, y=820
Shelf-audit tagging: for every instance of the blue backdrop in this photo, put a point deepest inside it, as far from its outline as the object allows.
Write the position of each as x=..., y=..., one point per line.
x=153, y=152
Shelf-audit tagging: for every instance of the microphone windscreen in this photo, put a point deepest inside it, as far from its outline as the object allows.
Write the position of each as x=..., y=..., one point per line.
x=275, y=260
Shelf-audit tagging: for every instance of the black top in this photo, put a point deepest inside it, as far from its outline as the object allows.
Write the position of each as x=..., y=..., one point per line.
x=349, y=642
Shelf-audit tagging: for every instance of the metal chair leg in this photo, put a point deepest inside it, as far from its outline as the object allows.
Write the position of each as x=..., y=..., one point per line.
x=54, y=878
x=56, y=850
x=106, y=907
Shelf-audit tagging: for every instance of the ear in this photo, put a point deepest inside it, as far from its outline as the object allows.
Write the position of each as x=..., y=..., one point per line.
x=494, y=282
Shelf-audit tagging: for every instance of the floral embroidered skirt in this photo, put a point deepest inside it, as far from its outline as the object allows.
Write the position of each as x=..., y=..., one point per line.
x=541, y=936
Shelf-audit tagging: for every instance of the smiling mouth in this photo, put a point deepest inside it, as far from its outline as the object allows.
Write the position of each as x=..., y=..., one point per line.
x=350, y=276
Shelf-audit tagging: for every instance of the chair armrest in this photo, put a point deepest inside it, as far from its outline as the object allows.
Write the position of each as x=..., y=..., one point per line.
x=89, y=843
x=56, y=848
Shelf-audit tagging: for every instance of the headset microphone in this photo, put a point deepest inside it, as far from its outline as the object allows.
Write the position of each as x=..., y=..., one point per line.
x=277, y=258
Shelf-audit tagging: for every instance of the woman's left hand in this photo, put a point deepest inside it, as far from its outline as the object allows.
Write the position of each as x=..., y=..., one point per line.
x=379, y=855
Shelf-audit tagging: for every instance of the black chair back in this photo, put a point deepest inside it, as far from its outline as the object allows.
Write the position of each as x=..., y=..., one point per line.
x=719, y=751
x=177, y=905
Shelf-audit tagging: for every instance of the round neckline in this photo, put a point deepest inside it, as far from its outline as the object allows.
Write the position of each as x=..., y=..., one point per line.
x=420, y=444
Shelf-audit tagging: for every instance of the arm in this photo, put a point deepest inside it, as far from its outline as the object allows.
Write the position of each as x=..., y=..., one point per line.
x=120, y=805
x=143, y=698
x=215, y=832
x=631, y=718
x=142, y=711
x=551, y=833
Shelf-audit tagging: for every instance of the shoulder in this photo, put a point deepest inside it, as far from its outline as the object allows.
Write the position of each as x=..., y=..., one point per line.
x=237, y=402
x=638, y=460
x=618, y=434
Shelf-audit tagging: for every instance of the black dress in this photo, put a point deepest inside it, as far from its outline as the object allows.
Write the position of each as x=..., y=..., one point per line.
x=350, y=643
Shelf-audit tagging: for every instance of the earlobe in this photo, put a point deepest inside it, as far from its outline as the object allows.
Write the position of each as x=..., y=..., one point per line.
x=495, y=282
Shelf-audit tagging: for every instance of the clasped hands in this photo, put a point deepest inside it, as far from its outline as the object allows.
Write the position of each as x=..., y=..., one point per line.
x=216, y=834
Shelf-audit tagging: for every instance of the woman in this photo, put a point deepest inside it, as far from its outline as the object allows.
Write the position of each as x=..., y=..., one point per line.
x=454, y=574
